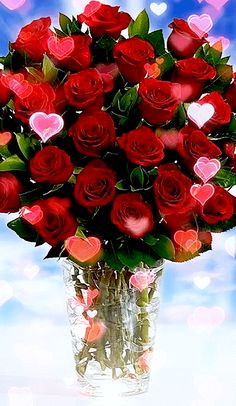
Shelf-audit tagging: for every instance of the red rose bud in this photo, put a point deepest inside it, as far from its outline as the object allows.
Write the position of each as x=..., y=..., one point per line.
x=5, y=93
x=104, y=19
x=193, y=144
x=40, y=99
x=131, y=55
x=95, y=185
x=230, y=150
x=131, y=215
x=192, y=74
x=93, y=133
x=183, y=42
x=159, y=100
x=57, y=223
x=84, y=90
x=230, y=96
x=51, y=165
x=220, y=207
x=10, y=188
x=33, y=38
x=142, y=147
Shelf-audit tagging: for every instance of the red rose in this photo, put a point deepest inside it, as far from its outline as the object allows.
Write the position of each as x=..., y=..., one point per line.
x=84, y=90
x=105, y=20
x=5, y=93
x=131, y=55
x=222, y=112
x=33, y=38
x=230, y=151
x=41, y=99
x=52, y=165
x=108, y=72
x=131, y=215
x=193, y=144
x=93, y=133
x=192, y=74
x=57, y=223
x=183, y=42
x=219, y=207
x=159, y=100
x=172, y=191
x=60, y=102
x=230, y=96
x=142, y=147
x=79, y=58
x=10, y=188
x=95, y=185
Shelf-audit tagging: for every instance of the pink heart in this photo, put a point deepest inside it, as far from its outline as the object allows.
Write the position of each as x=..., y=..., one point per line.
x=216, y=43
x=18, y=84
x=91, y=8
x=188, y=240
x=202, y=193
x=60, y=48
x=83, y=249
x=206, y=168
x=5, y=138
x=200, y=113
x=13, y=4
x=201, y=25
x=218, y=4
x=46, y=125
x=31, y=214
x=141, y=280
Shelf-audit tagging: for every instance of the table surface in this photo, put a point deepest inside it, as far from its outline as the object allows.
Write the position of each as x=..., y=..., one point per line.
x=189, y=368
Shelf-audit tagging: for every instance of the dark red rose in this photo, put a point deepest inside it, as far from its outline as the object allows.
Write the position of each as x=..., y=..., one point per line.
x=193, y=144
x=57, y=223
x=132, y=215
x=192, y=74
x=131, y=55
x=10, y=188
x=95, y=185
x=60, y=102
x=172, y=191
x=84, y=90
x=222, y=112
x=5, y=93
x=105, y=20
x=220, y=207
x=142, y=147
x=33, y=38
x=230, y=150
x=52, y=165
x=78, y=59
x=183, y=42
x=93, y=133
x=159, y=100
x=230, y=96
x=41, y=99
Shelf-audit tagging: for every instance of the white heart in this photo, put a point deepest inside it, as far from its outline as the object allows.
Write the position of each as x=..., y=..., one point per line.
x=202, y=281
x=92, y=313
x=200, y=113
x=230, y=246
x=158, y=9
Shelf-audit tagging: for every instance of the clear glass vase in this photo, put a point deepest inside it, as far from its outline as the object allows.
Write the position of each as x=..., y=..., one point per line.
x=113, y=320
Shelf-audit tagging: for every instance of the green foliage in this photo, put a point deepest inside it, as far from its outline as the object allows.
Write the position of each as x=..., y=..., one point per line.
x=23, y=229
x=225, y=178
x=68, y=26
x=220, y=227
x=137, y=178
x=27, y=145
x=13, y=163
x=129, y=255
x=49, y=70
x=164, y=247
x=168, y=63
x=156, y=39
x=139, y=26
x=111, y=258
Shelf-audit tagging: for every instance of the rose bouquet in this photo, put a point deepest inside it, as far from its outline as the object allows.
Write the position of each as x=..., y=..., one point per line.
x=117, y=152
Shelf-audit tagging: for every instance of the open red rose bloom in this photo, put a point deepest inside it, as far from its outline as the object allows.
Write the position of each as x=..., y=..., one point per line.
x=117, y=138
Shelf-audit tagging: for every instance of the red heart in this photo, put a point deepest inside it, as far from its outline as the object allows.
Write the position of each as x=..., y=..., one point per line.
x=83, y=249
x=31, y=214
x=202, y=193
x=5, y=138
x=18, y=84
x=61, y=48
x=95, y=331
x=153, y=70
x=91, y=8
x=188, y=240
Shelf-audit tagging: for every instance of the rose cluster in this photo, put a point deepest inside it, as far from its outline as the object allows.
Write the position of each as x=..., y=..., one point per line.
x=126, y=163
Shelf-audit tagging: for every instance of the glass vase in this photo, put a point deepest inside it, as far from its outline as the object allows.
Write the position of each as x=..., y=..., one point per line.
x=113, y=319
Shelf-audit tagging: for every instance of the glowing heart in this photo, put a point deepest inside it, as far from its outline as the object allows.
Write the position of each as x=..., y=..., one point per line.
x=83, y=249
x=31, y=214
x=218, y=4
x=230, y=246
x=86, y=300
x=144, y=361
x=206, y=318
x=202, y=193
x=201, y=25
x=206, y=168
x=61, y=48
x=141, y=280
x=160, y=60
x=200, y=113
x=95, y=332
x=153, y=70
x=18, y=84
x=188, y=240
x=202, y=282
x=92, y=313
x=13, y=4
x=6, y=292
x=5, y=138
x=220, y=43
x=91, y=8
x=30, y=271
x=46, y=125
x=158, y=9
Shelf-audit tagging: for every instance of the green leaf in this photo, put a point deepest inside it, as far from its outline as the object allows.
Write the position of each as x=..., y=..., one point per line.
x=121, y=185
x=49, y=70
x=232, y=124
x=168, y=63
x=137, y=177
x=25, y=145
x=64, y=21
x=38, y=75
x=129, y=256
x=56, y=252
x=4, y=151
x=225, y=60
x=128, y=101
x=23, y=229
x=213, y=56
x=156, y=39
x=13, y=163
x=59, y=32
x=139, y=26
x=32, y=195
x=164, y=247
x=149, y=239
x=111, y=258
x=225, y=178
